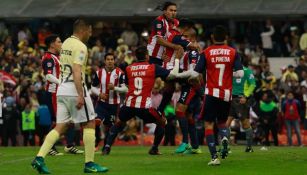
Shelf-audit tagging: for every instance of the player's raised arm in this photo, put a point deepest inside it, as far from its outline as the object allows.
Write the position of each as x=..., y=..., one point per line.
x=199, y=68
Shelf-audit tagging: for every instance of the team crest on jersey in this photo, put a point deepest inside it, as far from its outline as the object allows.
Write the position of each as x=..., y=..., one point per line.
x=82, y=55
x=193, y=52
x=49, y=64
x=159, y=26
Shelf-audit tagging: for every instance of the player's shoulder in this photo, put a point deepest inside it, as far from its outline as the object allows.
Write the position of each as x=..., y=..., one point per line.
x=47, y=55
x=74, y=42
x=159, y=18
x=119, y=70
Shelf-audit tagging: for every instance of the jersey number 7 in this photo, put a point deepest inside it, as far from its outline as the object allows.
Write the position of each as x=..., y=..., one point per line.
x=221, y=67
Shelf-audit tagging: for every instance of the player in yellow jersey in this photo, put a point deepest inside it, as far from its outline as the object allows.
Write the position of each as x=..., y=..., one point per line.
x=73, y=99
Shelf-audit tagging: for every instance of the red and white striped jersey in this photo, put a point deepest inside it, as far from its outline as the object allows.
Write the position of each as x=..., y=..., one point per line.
x=219, y=61
x=141, y=78
x=160, y=28
x=103, y=78
x=175, y=38
x=51, y=65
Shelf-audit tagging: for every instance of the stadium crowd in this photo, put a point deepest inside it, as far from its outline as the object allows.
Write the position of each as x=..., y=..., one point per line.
x=278, y=102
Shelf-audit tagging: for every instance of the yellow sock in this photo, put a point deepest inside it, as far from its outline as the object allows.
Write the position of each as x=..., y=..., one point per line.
x=89, y=144
x=50, y=140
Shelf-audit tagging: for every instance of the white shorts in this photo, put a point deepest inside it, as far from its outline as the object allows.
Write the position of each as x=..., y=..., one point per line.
x=67, y=110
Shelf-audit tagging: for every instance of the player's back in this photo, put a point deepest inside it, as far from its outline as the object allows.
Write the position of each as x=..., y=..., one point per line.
x=141, y=79
x=219, y=67
x=72, y=51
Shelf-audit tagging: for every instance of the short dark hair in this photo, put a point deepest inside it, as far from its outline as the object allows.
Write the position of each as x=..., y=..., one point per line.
x=80, y=24
x=51, y=39
x=184, y=22
x=165, y=5
x=219, y=33
x=141, y=53
x=108, y=54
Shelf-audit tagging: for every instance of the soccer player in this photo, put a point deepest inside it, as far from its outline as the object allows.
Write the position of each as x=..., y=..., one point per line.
x=140, y=77
x=73, y=100
x=188, y=104
x=176, y=37
x=111, y=83
x=161, y=27
x=51, y=67
x=243, y=89
x=219, y=61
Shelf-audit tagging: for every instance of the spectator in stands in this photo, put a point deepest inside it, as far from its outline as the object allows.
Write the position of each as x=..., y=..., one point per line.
x=286, y=46
x=9, y=115
x=291, y=108
x=303, y=39
x=98, y=52
x=266, y=38
x=130, y=37
x=267, y=77
x=300, y=68
x=290, y=72
x=267, y=113
x=263, y=61
x=294, y=38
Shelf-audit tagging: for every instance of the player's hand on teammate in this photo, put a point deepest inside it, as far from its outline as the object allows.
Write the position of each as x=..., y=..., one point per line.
x=179, y=51
x=103, y=96
x=111, y=86
x=80, y=102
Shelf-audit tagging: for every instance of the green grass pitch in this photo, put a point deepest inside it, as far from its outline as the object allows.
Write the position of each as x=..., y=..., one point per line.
x=134, y=160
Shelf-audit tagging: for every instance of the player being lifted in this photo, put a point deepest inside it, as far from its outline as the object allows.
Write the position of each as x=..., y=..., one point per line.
x=51, y=67
x=219, y=61
x=188, y=105
x=243, y=89
x=73, y=100
x=160, y=30
x=140, y=77
x=110, y=80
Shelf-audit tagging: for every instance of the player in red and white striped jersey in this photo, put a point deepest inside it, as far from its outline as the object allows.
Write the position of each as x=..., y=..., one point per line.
x=140, y=77
x=219, y=61
x=160, y=31
x=110, y=80
x=176, y=37
x=51, y=66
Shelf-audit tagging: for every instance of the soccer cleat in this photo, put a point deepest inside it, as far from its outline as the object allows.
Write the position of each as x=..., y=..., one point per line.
x=182, y=147
x=154, y=152
x=73, y=150
x=214, y=162
x=224, y=150
x=106, y=150
x=39, y=164
x=249, y=149
x=193, y=151
x=92, y=167
x=54, y=152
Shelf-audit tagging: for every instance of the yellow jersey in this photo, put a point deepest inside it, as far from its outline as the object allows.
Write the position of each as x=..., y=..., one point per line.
x=73, y=51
